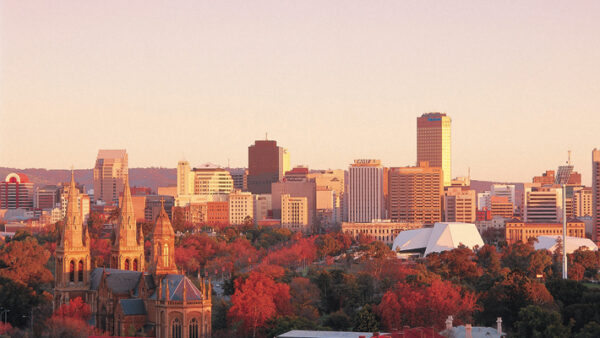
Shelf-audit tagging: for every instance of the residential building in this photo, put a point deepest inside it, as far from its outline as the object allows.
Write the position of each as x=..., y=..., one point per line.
x=365, y=191
x=517, y=230
x=415, y=194
x=241, y=206
x=110, y=173
x=459, y=205
x=434, y=143
x=384, y=231
x=267, y=164
x=294, y=213
x=16, y=192
x=582, y=202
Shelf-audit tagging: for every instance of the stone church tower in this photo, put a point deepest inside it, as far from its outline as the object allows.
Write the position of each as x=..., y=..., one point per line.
x=162, y=256
x=127, y=251
x=73, y=262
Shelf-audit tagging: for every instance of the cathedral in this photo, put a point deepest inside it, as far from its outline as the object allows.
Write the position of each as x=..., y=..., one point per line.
x=132, y=297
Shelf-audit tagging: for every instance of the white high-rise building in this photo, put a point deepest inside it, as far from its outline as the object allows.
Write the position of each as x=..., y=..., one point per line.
x=365, y=191
x=542, y=204
x=504, y=190
x=110, y=173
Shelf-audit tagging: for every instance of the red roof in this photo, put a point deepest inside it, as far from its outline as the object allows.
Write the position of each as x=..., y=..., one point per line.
x=417, y=332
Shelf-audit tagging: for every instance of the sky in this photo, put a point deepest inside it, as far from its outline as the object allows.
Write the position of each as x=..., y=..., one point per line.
x=331, y=81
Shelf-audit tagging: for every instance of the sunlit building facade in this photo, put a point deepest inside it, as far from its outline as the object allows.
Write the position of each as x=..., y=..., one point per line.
x=434, y=142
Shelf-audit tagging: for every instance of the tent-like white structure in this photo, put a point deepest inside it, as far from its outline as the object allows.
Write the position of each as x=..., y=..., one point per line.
x=573, y=243
x=442, y=237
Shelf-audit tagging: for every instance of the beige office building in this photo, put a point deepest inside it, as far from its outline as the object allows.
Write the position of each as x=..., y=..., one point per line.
x=365, y=191
x=383, y=231
x=415, y=194
x=582, y=202
x=294, y=213
x=542, y=204
x=460, y=205
x=434, y=142
x=241, y=205
x=207, y=183
x=110, y=173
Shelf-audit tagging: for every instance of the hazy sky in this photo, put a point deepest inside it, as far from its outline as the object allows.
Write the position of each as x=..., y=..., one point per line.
x=329, y=80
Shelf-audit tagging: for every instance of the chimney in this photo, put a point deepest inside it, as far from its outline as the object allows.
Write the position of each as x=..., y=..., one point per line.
x=449, y=323
x=468, y=330
x=499, y=325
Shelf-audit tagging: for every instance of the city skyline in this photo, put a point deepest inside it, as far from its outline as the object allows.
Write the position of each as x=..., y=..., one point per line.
x=316, y=82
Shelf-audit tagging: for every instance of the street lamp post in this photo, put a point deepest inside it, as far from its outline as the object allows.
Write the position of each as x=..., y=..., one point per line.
x=564, y=239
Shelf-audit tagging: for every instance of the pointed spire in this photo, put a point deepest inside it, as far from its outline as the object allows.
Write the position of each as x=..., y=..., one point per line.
x=167, y=291
x=127, y=204
x=72, y=201
x=159, y=289
x=184, y=290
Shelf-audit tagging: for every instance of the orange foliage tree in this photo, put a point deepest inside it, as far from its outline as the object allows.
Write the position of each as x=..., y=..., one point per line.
x=425, y=305
x=256, y=300
x=24, y=261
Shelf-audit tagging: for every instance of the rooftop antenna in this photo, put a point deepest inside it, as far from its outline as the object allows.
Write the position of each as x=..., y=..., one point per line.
x=569, y=158
x=266, y=137
x=228, y=166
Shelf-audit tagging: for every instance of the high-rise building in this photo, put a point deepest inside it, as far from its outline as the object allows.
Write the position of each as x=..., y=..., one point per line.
x=296, y=184
x=209, y=182
x=110, y=174
x=483, y=200
x=294, y=213
x=47, y=197
x=501, y=206
x=459, y=205
x=582, y=202
x=365, y=191
x=241, y=206
x=267, y=163
x=239, y=177
x=415, y=194
x=596, y=193
x=434, y=143
x=16, y=192
x=542, y=204
x=262, y=205
x=504, y=190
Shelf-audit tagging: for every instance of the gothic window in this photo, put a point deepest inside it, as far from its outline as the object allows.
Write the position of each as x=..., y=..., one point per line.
x=166, y=255
x=80, y=271
x=72, y=271
x=135, y=265
x=176, y=328
x=193, y=329
x=127, y=264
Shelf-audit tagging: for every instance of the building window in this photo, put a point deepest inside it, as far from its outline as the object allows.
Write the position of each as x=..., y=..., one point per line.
x=80, y=271
x=127, y=264
x=135, y=265
x=176, y=328
x=193, y=329
x=166, y=255
x=72, y=271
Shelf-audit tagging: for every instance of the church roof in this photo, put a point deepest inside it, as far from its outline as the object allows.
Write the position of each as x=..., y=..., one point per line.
x=118, y=281
x=176, y=285
x=132, y=307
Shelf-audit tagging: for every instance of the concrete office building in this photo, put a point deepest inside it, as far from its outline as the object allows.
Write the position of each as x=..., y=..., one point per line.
x=267, y=163
x=262, y=205
x=483, y=200
x=501, y=206
x=47, y=197
x=295, y=187
x=596, y=193
x=16, y=192
x=365, y=191
x=209, y=182
x=459, y=205
x=294, y=213
x=415, y=194
x=582, y=202
x=241, y=205
x=504, y=190
x=434, y=143
x=110, y=173
x=542, y=204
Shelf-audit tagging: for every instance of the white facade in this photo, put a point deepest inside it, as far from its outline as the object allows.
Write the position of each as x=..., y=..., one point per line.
x=365, y=191
x=442, y=237
x=551, y=243
x=294, y=213
x=241, y=205
x=504, y=190
x=483, y=200
x=542, y=205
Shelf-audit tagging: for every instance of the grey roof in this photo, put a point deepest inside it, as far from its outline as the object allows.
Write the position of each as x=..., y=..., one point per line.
x=118, y=281
x=476, y=332
x=321, y=334
x=176, y=283
x=132, y=307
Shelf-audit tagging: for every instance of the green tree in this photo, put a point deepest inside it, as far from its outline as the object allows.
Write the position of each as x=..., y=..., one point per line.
x=366, y=320
x=338, y=321
x=590, y=330
x=537, y=322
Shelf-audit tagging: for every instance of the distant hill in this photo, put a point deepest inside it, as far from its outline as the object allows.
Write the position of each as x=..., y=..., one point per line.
x=481, y=186
x=147, y=177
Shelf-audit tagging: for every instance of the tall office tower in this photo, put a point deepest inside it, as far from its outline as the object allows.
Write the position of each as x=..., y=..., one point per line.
x=267, y=163
x=365, y=191
x=415, y=194
x=239, y=178
x=582, y=202
x=110, y=173
x=504, y=190
x=501, y=206
x=185, y=179
x=596, y=193
x=459, y=205
x=296, y=184
x=16, y=192
x=542, y=204
x=294, y=213
x=434, y=143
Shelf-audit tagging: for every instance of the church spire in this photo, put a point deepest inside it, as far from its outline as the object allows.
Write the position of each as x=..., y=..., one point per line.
x=162, y=259
x=128, y=247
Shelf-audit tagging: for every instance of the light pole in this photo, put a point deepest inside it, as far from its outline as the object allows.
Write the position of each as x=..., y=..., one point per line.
x=564, y=239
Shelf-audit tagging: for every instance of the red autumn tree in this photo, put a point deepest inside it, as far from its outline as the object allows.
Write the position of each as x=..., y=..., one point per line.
x=425, y=305
x=100, y=251
x=256, y=300
x=24, y=261
x=76, y=308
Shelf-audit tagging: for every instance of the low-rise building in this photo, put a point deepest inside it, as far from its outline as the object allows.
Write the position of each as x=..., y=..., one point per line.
x=384, y=231
x=517, y=230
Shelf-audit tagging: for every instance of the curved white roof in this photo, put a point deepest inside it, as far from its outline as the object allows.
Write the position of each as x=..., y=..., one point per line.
x=573, y=243
x=443, y=236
